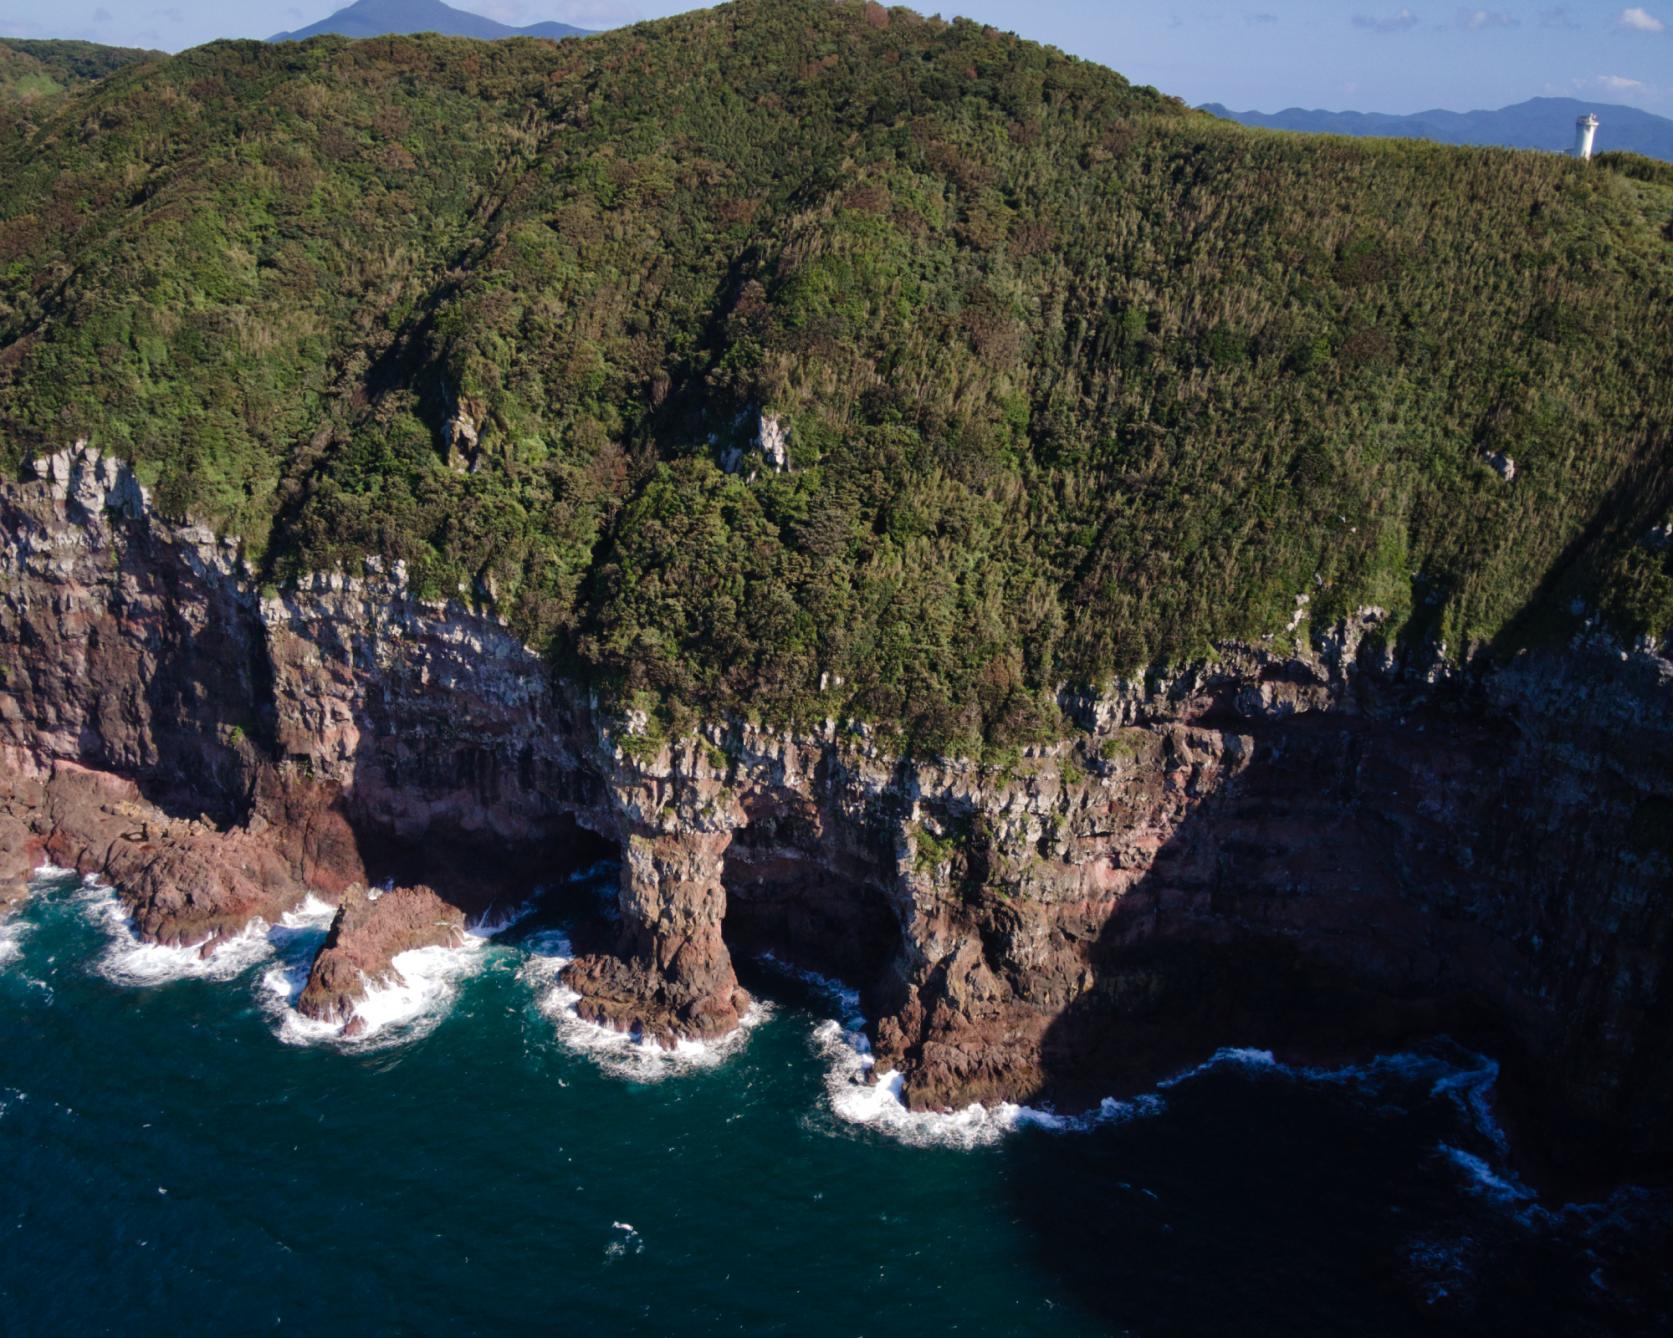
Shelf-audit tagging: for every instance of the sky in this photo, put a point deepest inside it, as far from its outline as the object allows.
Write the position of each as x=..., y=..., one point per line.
x=1264, y=55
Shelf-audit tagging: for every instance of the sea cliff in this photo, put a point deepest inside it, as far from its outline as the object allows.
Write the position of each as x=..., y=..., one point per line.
x=1326, y=849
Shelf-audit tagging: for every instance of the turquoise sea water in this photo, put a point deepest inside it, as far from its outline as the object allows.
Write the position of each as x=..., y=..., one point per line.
x=176, y=1155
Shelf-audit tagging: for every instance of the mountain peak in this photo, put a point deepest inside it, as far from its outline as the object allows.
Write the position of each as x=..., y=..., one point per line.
x=380, y=18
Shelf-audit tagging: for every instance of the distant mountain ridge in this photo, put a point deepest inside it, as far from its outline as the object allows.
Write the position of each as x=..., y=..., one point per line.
x=381, y=18
x=1539, y=123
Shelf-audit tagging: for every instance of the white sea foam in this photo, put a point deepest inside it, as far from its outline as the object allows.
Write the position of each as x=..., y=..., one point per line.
x=312, y=914
x=843, y=998
x=629, y=1242
x=1460, y=1076
x=130, y=961
x=1241, y=1057
x=295, y=939
x=1451, y=1073
x=494, y=921
x=859, y=1095
x=14, y=930
x=11, y=940
x=1500, y=1186
x=406, y=1004
x=615, y=1052
x=876, y=1100
x=1469, y=1089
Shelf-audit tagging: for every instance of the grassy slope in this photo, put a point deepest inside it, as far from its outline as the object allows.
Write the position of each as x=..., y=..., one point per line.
x=23, y=78
x=33, y=74
x=1076, y=379
x=34, y=70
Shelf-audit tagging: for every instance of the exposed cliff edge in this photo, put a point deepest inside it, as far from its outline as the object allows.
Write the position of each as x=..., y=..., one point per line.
x=1323, y=852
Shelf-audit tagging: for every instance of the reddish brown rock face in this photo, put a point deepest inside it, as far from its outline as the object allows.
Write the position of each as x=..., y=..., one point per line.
x=20, y=852
x=671, y=978
x=183, y=881
x=1323, y=852
x=366, y=936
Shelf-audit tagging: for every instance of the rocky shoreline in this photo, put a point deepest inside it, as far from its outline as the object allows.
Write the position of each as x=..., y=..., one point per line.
x=1323, y=851
x=369, y=932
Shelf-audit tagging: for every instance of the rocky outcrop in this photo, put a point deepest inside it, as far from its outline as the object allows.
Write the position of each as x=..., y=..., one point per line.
x=671, y=976
x=1323, y=849
x=369, y=932
x=19, y=850
x=183, y=881
x=773, y=441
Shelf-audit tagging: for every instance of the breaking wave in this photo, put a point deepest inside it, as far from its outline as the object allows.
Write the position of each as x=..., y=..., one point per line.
x=423, y=984
x=403, y=1006
x=615, y=1052
x=11, y=939
x=861, y=1096
x=128, y=960
x=1483, y=1179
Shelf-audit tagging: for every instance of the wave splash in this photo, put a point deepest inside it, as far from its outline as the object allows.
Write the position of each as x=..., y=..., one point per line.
x=861, y=1096
x=403, y=1006
x=406, y=1004
x=615, y=1052
x=11, y=941
x=130, y=961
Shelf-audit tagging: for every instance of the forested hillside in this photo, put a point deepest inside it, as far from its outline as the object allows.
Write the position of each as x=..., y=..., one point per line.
x=1074, y=379
x=34, y=68
x=34, y=73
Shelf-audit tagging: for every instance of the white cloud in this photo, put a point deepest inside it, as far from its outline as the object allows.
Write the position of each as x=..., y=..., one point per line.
x=1615, y=88
x=1404, y=21
x=1640, y=20
x=1475, y=20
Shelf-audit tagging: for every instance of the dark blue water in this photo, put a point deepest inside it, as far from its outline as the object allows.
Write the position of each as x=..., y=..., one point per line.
x=169, y=1163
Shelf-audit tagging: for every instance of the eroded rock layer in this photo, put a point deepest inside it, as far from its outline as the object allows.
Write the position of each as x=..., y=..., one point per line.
x=1323, y=850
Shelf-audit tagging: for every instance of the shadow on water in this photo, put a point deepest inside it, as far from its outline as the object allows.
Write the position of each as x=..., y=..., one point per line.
x=1261, y=1203
x=1282, y=915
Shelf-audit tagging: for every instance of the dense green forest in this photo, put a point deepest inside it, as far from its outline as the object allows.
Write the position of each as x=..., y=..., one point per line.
x=33, y=70
x=1075, y=380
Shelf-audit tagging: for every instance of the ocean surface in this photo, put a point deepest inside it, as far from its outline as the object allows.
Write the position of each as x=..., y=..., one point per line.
x=179, y=1152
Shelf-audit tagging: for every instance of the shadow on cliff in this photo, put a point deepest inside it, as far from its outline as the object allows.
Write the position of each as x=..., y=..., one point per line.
x=1315, y=907
x=195, y=654
x=486, y=830
x=808, y=902
x=1307, y=907
x=433, y=799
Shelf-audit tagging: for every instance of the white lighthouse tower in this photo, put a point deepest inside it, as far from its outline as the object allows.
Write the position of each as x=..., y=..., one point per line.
x=1585, y=130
